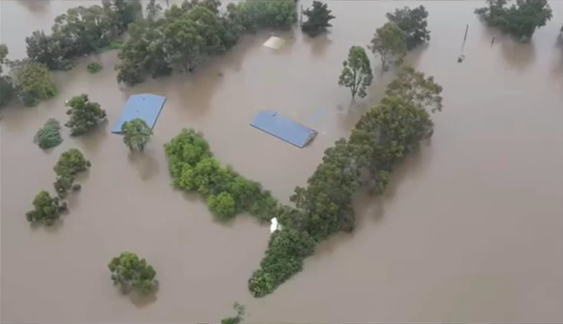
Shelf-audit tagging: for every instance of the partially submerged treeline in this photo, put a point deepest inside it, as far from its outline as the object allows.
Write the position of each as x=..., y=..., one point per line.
x=184, y=36
x=325, y=206
x=181, y=37
x=78, y=32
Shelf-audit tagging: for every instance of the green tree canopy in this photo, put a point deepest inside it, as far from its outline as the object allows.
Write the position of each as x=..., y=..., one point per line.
x=356, y=73
x=519, y=20
x=318, y=19
x=129, y=272
x=193, y=168
x=32, y=82
x=49, y=135
x=416, y=88
x=413, y=23
x=6, y=87
x=185, y=36
x=136, y=134
x=390, y=44
x=286, y=250
x=223, y=205
x=47, y=50
x=84, y=114
x=71, y=163
x=153, y=10
x=46, y=209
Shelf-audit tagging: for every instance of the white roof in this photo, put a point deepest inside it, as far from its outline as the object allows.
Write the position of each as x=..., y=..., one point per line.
x=274, y=42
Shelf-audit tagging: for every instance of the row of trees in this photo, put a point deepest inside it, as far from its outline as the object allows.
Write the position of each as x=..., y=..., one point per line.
x=405, y=30
x=193, y=168
x=46, y=208
x=78, y=32
x=519, y=20
x=324, y=207
x=82, y=31
x=183, y=37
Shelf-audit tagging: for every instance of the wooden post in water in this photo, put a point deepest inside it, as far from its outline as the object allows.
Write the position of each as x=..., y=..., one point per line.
x=462, y=56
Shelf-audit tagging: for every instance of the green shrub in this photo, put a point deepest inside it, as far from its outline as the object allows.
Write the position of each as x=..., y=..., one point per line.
x=49, y=135
x=94, y=67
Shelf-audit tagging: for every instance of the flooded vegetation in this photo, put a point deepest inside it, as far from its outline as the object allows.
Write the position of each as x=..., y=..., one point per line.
x=468, y=229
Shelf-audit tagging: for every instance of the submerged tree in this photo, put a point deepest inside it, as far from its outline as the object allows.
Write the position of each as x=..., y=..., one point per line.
x=356, y=73
x=413, y=23
x=129, y=272
x=32, y=82
x=71, y=162
x=416, y=88
x=390, y=44
x=49, y=135
x=47, y=50
x=236, y=319
x=84, y=114
x=6, y=87
x=284, y=257
x=46, y=209
x=318, y=19
x=223, y=205
x=519, y=20
x=136, y=134
x=154, y=10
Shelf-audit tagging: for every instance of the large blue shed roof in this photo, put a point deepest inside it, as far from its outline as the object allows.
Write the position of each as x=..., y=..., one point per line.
x=143, y=106
x=282, y=128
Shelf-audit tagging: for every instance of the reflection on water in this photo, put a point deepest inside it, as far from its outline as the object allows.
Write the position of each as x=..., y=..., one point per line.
x=35, y=6
x=469, y=230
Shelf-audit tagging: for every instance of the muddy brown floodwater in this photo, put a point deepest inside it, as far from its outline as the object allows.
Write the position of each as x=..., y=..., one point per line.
x=470, y=230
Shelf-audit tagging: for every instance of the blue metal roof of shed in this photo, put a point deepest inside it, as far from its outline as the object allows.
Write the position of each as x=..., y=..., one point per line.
x=282, y=128
x=143, y=106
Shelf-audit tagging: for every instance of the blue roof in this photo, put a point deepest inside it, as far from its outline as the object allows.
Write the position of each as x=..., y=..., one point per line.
x=143, y=106
x=282, y=128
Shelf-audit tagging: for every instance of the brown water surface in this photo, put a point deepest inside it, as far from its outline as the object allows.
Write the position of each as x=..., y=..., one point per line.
x=470, y=230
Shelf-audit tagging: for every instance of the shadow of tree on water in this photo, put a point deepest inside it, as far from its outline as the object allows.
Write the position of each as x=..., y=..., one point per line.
x=35, y=6
x=145, y=162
